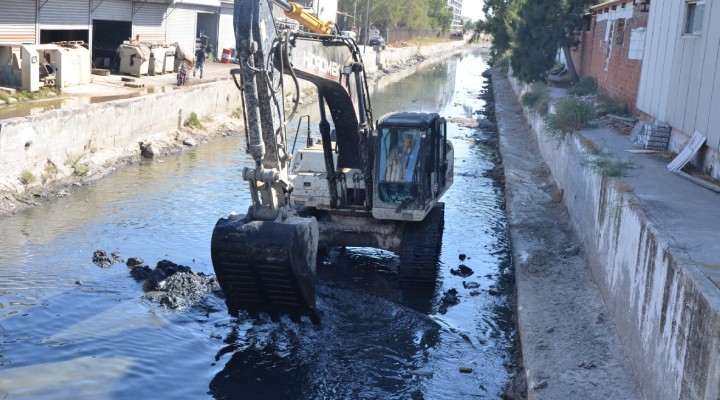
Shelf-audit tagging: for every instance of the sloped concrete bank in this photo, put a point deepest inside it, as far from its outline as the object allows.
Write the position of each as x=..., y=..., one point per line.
x=665, y=306
x=52, y=145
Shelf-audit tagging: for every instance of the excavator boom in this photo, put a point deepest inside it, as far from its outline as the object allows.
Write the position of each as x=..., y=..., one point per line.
x=265, y=259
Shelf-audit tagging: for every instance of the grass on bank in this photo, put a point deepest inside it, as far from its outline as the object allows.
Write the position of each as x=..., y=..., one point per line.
x=571, y=114
x=75, y=161
x=537, y=98
x=605, y=163
x=194, y=121
x=26, y=177
x=21, y=96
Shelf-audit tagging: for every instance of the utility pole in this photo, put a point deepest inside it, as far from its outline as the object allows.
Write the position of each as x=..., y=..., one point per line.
x=367, y=24
x=355, y=15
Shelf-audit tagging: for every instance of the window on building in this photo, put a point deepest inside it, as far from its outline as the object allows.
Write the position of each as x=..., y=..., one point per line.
x=694, y=11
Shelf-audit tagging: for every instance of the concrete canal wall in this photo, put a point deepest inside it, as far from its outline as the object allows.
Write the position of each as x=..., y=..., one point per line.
x=665, y=307
x=47, y=144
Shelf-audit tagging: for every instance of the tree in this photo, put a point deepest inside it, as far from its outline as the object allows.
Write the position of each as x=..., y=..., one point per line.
x=500, y=16
x=440, y=15
x=544, y=26
x=536, y=40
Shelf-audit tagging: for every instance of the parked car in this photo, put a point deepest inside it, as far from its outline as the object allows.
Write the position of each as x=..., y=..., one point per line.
x=349, y=34
x=376, y=41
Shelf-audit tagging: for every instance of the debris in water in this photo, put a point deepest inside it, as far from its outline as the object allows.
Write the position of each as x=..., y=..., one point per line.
x=102, y=260
x=462, y=257
x=133, y=262
x=471, y=285
x=463, y=270
x=449, y=299
x=172, y=285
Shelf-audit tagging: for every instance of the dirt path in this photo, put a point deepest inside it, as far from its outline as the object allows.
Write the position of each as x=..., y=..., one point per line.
x=570, y=347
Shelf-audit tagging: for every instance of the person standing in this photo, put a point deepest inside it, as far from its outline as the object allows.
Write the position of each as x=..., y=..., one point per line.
x=200, y=56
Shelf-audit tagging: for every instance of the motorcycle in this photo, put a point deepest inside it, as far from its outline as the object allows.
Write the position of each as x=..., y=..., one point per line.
x=183, y=75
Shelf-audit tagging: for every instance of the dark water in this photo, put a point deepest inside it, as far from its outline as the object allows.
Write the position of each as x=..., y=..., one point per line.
x=72, y=330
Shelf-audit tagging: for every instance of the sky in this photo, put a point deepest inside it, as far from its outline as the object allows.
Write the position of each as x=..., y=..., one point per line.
x=472, y=9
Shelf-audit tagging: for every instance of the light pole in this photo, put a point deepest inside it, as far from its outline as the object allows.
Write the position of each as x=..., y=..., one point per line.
x=355, y=15
x=367, y=25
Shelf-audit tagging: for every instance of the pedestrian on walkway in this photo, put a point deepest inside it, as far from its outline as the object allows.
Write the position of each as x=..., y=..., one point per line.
x=200, y=56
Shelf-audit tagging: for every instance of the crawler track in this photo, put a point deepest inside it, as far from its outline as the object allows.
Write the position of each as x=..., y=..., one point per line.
x=421, y=245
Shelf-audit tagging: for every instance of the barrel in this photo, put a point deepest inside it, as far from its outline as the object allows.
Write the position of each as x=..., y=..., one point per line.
x=226, y=55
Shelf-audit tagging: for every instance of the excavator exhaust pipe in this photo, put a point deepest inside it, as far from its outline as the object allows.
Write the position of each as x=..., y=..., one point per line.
x=267, y=266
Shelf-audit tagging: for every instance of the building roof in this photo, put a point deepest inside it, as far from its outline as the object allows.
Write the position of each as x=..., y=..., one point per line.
x=614, y=3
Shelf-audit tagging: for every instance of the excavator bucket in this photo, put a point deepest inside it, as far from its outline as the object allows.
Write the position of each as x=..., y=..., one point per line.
x=267, y=266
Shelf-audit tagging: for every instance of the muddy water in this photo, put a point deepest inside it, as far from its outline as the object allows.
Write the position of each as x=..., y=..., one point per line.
x=70, y=329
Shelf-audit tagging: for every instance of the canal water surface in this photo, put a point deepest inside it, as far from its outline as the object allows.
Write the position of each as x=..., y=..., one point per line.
x=72, y=330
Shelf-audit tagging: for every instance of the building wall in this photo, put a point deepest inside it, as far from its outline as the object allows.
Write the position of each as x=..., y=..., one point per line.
x=612, y=51
x=681, y=75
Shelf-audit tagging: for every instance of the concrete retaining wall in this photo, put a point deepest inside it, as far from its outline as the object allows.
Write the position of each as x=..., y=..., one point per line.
x=666, y=310
x=102, y=131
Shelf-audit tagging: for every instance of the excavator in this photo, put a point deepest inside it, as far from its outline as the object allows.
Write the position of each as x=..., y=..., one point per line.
x=364, y=183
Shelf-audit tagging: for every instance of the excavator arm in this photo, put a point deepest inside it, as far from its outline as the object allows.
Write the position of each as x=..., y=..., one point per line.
x=265, y=259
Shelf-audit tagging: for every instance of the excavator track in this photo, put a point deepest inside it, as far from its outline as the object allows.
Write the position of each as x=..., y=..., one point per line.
x=420, y=249
x=267, y=266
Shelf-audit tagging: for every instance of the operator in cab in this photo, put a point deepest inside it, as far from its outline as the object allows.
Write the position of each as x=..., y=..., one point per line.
x=401, y=159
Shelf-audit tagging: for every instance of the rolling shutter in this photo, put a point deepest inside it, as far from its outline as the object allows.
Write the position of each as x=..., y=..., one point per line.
x=149, y=22
x=181, y=26
x=112, y=10
x=64, y=14
x=17, y=21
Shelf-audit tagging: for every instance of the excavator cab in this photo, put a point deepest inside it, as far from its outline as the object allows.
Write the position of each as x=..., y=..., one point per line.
x=413, y=165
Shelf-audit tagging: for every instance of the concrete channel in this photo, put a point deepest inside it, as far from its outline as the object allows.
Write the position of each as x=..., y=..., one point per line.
x=650, y=244
x=647, y=323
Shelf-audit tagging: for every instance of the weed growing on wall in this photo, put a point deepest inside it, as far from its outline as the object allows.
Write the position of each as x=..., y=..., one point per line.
x=571, y=114
x=536, y=98
x=27, y=177
x=75, y=161
x=194, y=121
x=604, y=163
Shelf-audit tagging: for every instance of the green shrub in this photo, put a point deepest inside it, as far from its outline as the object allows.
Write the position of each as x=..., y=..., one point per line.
x=74, y=161
x=610, y=105
x=194, y=121
x=584, y=87
x=607, y=165
x=603, y=162
x=571, y=114
x=537, y=98
x=27, y=177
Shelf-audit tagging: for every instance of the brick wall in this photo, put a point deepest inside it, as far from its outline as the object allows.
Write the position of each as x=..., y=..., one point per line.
x=611, y=51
